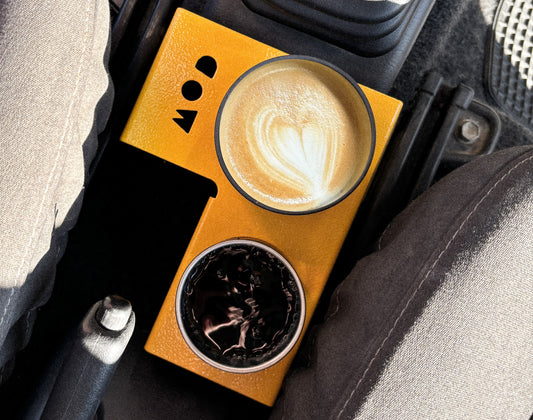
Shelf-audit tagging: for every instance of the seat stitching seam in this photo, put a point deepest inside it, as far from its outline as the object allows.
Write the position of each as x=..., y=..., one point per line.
x=411, y=298
x=56, y=161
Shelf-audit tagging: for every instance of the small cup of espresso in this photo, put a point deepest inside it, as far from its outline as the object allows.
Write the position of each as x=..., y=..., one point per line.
x=295, y=135
x=240, y=306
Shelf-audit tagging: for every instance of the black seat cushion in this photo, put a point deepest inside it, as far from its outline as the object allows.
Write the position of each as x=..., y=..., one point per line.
x=438, y=320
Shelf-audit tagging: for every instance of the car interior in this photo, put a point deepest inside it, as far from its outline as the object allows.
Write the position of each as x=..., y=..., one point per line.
x=450, y=84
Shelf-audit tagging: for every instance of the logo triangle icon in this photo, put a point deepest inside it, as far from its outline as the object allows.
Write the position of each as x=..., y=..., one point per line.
x=187, y=119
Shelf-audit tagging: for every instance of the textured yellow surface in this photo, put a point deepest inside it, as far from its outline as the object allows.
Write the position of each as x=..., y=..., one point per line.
x=309, y=242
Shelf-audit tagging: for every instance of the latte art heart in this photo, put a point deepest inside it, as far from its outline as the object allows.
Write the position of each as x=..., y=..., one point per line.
x=290, y=137
x=299, y=156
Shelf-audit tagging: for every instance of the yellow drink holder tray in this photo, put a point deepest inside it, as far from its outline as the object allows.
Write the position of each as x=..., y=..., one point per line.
x=174, y=119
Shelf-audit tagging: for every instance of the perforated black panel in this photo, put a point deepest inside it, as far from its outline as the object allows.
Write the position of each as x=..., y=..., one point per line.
x=511, y=66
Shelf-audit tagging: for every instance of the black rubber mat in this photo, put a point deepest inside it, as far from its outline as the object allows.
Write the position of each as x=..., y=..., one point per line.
x=511, y=65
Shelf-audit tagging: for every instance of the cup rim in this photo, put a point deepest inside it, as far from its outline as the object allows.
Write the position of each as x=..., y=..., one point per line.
x=296, y=335
x=359, y=91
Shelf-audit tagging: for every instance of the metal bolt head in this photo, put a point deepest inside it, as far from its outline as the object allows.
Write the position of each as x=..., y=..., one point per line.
x=469, y=131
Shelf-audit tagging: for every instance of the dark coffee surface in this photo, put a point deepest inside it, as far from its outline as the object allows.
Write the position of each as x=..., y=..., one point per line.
x=240, y=305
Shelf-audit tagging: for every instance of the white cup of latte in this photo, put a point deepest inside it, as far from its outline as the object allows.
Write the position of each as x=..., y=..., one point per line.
x=295, y=135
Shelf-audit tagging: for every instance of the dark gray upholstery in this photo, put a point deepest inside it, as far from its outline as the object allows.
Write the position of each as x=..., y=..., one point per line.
x=438, y=323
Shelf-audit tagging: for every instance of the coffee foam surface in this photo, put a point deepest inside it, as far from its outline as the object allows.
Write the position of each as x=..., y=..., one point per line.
x=288, y=135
